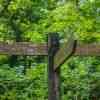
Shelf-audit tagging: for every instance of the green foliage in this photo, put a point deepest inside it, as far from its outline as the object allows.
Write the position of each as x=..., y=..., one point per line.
x=31, y=21
x=33, y=85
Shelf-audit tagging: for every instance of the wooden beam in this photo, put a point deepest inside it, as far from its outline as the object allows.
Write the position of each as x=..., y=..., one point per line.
x=23, y=48
x=65, y=51
x=92, y=49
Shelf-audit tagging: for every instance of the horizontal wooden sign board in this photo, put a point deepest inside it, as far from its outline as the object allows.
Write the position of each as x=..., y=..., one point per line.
x=23, y=48
x=42, y=49
x=92, y=49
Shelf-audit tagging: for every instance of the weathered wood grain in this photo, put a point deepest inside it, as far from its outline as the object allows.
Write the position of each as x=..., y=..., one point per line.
x=53, y=76
x=23, y=48
x=66, y=50
x=92, y=49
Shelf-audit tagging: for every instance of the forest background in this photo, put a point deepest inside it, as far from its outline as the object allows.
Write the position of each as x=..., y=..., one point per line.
x=25, y=77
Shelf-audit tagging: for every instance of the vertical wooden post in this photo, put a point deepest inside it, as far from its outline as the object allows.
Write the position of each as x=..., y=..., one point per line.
x=53, y=76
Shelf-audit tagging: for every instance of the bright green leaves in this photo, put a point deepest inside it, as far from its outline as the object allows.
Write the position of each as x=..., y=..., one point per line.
x=97, y=2
x=85, y=29
x=20, y=5
x=59, y=19
x=77, y=77
x=33, y=20
x=1, y=7
x=34, y=36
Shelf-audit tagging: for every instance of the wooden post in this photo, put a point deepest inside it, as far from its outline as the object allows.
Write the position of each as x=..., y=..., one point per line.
x=53, y=76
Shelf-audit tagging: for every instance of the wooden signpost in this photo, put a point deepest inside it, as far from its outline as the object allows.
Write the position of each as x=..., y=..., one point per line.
x=53, y=76
x=57, y=54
